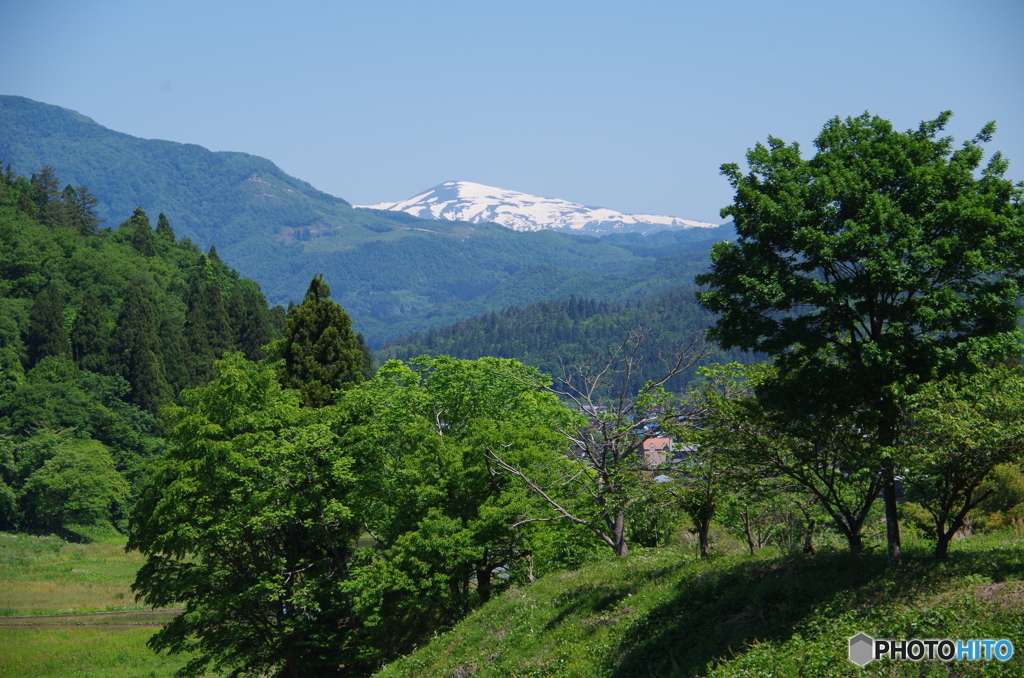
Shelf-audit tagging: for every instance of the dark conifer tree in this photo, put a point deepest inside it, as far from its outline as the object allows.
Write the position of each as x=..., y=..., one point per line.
x=319, y=348
x=87, y=220
x=26, y=205
x=137, y=346
x=140, y=233
x=200, y=355
x=164, y=232
x=174, y=352
x=251, y=320
x=220, y=335
x=45, y=195
x=90, y=336
x=364, y=350
x=46, y=332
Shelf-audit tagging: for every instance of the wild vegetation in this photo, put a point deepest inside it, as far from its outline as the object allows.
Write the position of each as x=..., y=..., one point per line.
x=99, y=329
x=309, y=515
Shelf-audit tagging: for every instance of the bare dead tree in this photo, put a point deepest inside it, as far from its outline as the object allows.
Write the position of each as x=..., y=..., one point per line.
x=608, y=464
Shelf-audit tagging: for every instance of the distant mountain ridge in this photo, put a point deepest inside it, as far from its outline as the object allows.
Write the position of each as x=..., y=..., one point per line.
x=476, y=203
x=211, y=197
x=393, y=272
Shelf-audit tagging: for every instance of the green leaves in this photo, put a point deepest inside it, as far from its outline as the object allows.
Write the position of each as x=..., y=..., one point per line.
x=78, y=484
x=248, y=523
x=320, y=351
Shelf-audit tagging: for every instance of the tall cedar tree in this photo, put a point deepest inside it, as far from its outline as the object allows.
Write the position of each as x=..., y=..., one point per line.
x=141, y=233
x=90, y=335
x=164, y=232
x=137, y=339
x=320, y=351
x=207, y=325
x=46, y=332
x=251, y=321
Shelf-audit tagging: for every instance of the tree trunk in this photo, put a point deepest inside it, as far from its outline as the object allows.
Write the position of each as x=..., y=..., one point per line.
x=892, y=521
x=942, y=545
x=703, y=527
x=748, y=531
x=619, y=534
x=809, y=536
x=483, y=584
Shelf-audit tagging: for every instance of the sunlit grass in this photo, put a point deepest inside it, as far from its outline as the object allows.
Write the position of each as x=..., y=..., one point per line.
x=45, y=575
x=666, y=613
x=97, y=652
x=49, y=576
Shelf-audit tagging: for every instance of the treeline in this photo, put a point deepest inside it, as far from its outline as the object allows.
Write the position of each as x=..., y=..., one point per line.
x=99, y=330
x=556, y=336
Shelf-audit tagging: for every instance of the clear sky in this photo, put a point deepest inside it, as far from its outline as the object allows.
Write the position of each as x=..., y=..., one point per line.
x=626, y=105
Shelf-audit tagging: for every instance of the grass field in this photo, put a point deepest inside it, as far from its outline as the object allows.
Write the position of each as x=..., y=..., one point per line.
x=45, y=576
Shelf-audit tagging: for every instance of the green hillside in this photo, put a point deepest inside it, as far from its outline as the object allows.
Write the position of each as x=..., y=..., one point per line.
x=666, y=613
x=99, y=330
x=551, y=335
x=395, y=274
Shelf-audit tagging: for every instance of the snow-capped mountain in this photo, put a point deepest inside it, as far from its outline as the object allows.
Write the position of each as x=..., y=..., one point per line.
x=476, y=203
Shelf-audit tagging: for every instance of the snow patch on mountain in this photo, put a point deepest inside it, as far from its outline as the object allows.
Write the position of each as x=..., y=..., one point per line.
x=476, y=203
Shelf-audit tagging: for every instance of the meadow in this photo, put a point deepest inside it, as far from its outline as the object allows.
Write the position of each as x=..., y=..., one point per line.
x=67, y=609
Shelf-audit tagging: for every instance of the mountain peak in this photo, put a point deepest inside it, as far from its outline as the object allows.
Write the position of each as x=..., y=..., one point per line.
x=476, y=203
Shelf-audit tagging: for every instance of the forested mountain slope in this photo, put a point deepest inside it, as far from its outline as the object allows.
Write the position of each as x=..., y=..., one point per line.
x=395, y=274
x=556, y=336
x=99, y=329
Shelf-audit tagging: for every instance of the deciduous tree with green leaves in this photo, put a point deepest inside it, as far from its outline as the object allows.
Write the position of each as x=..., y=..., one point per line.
x=247, y=524
x=957, y=431
x=868, y=269
x=79, y=484
x=451, y=529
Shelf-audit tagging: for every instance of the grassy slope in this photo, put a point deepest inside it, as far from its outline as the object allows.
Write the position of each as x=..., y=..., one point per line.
x=45, y=576
x=662, y=613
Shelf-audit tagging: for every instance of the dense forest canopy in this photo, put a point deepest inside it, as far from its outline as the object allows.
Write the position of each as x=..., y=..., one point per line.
x=99, y=329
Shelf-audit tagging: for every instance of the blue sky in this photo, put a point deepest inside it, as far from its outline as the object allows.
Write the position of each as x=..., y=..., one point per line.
x=631, y=106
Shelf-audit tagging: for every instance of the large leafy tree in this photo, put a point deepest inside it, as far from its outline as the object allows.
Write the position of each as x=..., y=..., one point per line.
x=450, y=528
x=320, y=351
x=868, y=269
x=247, y=524
x=79, y=484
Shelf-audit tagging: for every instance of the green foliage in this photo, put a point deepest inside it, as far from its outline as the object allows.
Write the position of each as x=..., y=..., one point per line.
x=247, y=523
x=958, y=431
x=320, y=352
x=879, y=264
x=78, y=484
x=92, y=340
x=450, y=530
